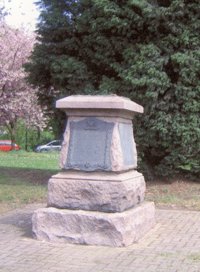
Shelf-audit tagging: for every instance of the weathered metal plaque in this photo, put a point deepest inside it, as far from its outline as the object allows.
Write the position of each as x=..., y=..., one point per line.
x=127, y=144
x=89, y=145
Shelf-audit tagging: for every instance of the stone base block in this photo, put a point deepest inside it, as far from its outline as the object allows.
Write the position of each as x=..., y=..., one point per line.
x=94, y=228
x=105, y=192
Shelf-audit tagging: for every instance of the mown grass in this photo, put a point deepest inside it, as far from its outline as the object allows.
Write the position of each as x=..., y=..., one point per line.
x=29, y=160
x=24, y=177
x=182, y=194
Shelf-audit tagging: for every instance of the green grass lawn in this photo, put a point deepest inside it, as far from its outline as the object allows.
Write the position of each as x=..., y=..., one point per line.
x=30, y=160
x=24, y=177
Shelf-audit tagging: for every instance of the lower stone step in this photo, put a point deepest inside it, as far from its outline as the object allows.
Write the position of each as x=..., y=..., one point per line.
x=94, y=228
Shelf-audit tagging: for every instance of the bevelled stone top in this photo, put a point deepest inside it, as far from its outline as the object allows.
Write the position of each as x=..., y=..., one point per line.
x=99, y=102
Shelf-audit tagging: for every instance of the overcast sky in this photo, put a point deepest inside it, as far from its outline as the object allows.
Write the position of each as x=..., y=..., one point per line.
x=22, y=13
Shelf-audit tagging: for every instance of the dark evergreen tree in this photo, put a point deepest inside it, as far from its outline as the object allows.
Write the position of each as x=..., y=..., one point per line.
x=146, y=50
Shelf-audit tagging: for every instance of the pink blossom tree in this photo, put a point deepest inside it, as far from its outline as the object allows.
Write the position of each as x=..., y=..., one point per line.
x=18, y=100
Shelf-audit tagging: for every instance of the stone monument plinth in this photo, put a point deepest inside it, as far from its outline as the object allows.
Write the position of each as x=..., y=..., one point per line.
x=98, y=197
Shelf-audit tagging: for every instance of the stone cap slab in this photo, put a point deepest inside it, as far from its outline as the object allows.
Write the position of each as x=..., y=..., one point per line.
x=99, y=102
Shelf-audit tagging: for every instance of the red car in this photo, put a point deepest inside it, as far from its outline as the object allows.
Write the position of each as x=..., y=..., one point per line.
x=7, y=145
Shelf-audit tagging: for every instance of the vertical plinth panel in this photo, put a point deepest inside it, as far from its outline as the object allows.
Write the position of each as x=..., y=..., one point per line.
x=128, y=144
x=89, y=145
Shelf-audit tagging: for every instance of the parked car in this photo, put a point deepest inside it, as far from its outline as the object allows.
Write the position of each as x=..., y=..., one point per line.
x=52, y=146
x=8, y=145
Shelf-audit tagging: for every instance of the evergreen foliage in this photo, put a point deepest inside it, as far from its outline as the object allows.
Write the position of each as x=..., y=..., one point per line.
x=148, y=51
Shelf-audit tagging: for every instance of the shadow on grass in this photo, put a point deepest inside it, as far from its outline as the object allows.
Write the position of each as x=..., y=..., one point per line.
x=34, y=176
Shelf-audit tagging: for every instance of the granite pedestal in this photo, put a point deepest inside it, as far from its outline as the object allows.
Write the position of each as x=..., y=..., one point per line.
x=98, y=198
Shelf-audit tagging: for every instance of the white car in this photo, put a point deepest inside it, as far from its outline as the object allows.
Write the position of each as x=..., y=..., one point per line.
x=52, y=146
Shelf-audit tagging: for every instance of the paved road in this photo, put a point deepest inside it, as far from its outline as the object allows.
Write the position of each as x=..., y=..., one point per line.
x=172, y=246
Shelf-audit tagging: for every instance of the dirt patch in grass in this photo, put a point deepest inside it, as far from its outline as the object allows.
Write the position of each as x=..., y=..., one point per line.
x=178, y=194
x=34, y=176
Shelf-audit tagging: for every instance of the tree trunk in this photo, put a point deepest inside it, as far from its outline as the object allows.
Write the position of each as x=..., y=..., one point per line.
x=26, y=139
x=11, y=126
x=38, y=134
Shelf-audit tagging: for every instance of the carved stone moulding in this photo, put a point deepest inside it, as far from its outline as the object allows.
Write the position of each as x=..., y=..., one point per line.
x=99, y=105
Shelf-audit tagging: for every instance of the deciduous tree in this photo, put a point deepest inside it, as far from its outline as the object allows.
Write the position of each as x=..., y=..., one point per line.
x=18, y=99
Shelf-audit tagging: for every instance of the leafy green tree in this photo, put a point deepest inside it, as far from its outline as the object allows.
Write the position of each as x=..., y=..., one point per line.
x=146, y=50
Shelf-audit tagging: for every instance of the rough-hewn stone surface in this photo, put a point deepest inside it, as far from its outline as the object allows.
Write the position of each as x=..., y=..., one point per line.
x=88, y=192
x=93, y=228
